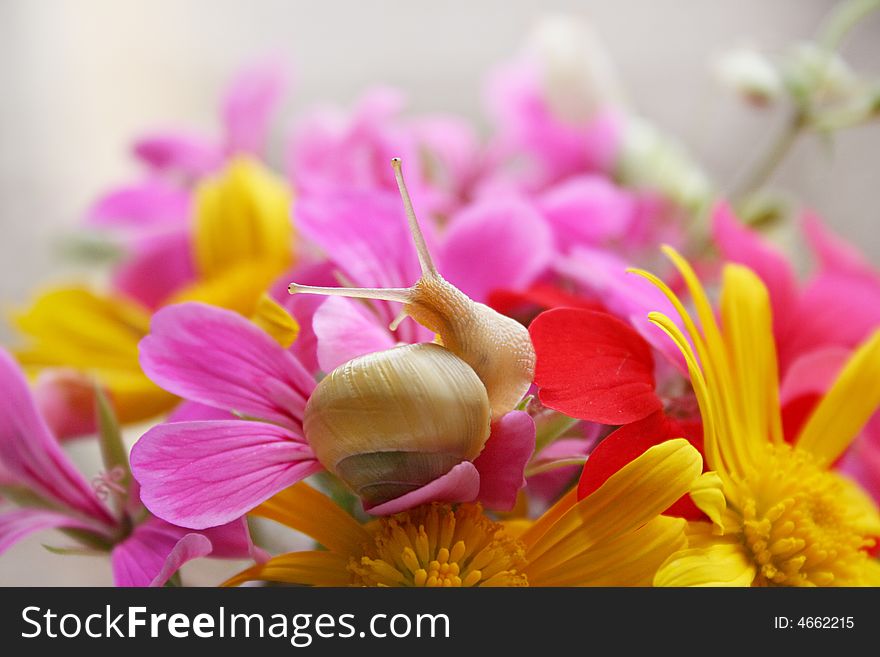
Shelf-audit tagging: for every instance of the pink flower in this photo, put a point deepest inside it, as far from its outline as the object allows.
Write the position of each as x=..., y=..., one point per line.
x=536, y=147
x=151, y=217
x=58, y=497
x=332, y=149
x=204, y=473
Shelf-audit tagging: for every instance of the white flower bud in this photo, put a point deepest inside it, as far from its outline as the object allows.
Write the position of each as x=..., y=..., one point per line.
x=750, y=74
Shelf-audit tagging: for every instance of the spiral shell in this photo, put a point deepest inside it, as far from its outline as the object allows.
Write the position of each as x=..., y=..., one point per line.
x=390, y=422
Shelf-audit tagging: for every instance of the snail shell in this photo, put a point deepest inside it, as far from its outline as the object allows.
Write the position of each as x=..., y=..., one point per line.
x=390, y=422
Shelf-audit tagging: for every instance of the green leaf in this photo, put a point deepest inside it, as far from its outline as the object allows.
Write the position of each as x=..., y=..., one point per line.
x=76, y=551
x=113, y=450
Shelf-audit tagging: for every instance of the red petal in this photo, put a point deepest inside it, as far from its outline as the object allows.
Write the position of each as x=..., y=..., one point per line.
x=619, y=448
x=593, y=366
x=525, y=305
x=630, y=442
x=795, y=414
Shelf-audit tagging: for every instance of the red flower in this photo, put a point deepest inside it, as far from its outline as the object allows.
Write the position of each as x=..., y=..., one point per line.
x=595, y=367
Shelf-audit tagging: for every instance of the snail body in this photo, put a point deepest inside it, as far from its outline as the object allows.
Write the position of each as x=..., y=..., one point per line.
x=390, y=422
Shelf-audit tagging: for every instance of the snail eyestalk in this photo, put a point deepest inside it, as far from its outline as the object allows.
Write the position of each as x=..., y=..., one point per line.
x=400, y=294
x=425, y=261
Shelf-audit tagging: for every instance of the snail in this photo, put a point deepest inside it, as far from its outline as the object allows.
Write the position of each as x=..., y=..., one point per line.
x=389, y=422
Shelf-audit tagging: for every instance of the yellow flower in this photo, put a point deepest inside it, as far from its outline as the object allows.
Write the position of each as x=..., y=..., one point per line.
x=779, y=514
x=615, y=536
x=242, y=240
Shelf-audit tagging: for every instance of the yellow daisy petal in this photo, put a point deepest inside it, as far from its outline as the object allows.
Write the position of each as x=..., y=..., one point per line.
x=242, y=216
x=237, y=288
x=310, y=568
x=630, y=560
x=748, y=330
x=843, y=411
x=275, y=320
x=708, y=494
x=97, y=336
x=632, y=496
x=720, y=564
x=309, y=511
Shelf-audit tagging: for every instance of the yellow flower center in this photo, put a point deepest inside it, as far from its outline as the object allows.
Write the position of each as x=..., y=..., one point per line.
x=436, y=545
x=801, y=522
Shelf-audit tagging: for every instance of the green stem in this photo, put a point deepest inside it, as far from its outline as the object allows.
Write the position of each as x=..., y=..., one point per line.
x=773, y=156
x=553, y=465
x=844, y=17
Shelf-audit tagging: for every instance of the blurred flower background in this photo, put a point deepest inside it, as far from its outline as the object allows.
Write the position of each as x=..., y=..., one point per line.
x=82, y=78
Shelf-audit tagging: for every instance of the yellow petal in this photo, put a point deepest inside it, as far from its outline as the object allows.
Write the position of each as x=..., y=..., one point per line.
x=632, y=496
x=311, y=568
x=843, y=411
x=237, y=288
x=722, y=563
x=715, y=362
x=242, y=216
x=748, y=333
x=708, y=494
x=309, y=511
x=549, y=518
x=630, y=560
x=701, y=390
x=95, y=335
x=275, y=320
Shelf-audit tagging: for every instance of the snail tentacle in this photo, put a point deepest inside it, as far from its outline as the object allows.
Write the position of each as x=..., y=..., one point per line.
x=399, y=294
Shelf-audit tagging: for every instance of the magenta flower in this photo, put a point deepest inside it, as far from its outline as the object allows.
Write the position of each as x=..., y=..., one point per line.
x=545, y=147
x=204, y=473
x=151, y=216
x=144, y=550
x=331, y=149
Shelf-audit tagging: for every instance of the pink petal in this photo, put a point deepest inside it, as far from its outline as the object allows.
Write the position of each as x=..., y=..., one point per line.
x=157, y=549
x=208, y=473
x=495, y=244
x=862, y=460
x=218, y=358
x=141, y=558
x=30, y=454
x=813, y=373
x=303, y=306
x=742, y=245
x=146, y=204
x=21, y=523
x=556, y=148
x=188, y=155
x=835, y=254
x=834, y=309
x=460, y=484
x=66, y=401
x=344, y=330
x=232, y=540
x=189, y=411
x=587, y=209
x=156, y=267
x=253, y=96
x=503, y=460
x=365, y=234
x=333, y=149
